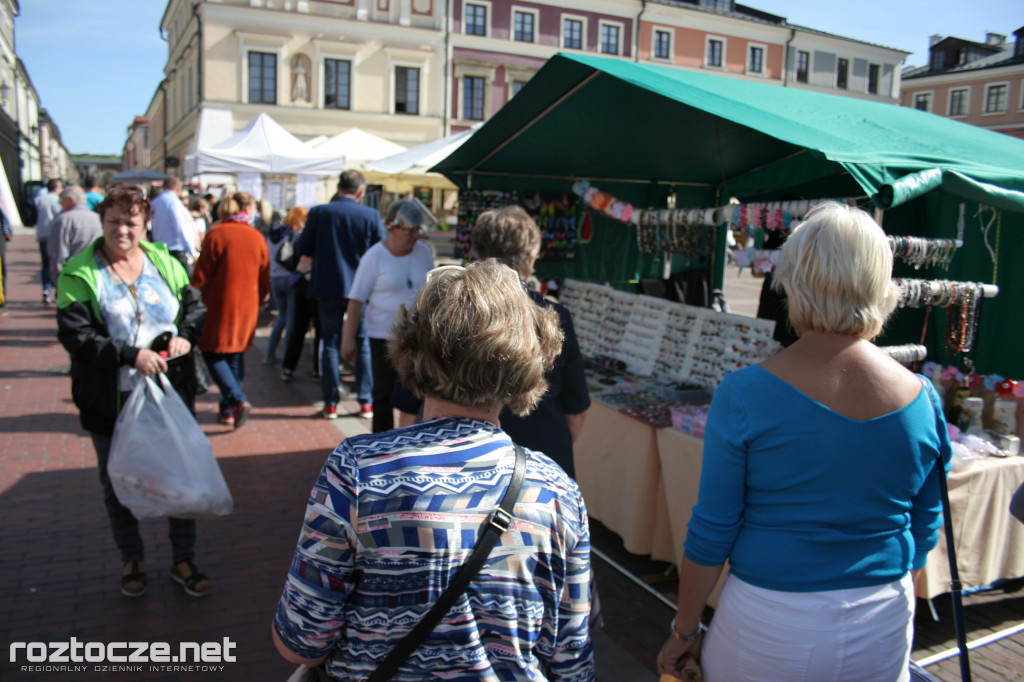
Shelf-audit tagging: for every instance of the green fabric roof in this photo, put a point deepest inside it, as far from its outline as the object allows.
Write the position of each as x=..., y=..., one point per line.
x=616, y=122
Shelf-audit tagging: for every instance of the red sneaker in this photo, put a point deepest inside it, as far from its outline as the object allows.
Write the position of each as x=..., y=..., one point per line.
x=227, y=417
x=366, y=411
x=329, y=412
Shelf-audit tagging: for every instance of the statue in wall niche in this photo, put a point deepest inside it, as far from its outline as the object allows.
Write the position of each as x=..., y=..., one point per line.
x=300, y=78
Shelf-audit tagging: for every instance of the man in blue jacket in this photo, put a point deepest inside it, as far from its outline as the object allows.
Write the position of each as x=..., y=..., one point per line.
x=336, y=236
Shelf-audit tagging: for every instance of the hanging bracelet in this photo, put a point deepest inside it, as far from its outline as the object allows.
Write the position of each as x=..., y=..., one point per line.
x=687, y=638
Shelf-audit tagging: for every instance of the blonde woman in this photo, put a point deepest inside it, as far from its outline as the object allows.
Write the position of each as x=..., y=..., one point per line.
x=820, y=482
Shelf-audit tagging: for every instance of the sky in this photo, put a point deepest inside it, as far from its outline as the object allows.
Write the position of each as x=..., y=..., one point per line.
x=96, y=70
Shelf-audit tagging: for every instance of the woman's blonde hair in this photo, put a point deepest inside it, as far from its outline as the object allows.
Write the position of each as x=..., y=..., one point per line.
x=233, y=204
x=508, y=234
x=475, y=338
x=296, y=217
x=836, y=270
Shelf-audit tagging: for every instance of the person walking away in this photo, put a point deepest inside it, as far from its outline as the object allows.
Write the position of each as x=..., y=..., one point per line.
x=172, y=224
x=820, y=482
x=280, y=276
x=388, y=277
x=75, y=228
x=302, y=310
x=233, y=273
x=93, y=195
x=47, y=208
x=336, y=236
x=393, y=517
x=6, y=234
x=116, y=296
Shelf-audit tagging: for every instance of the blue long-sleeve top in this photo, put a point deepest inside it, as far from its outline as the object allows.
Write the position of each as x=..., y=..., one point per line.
x=800, y=498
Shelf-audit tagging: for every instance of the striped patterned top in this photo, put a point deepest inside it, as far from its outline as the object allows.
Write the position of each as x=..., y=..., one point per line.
x=389, y=522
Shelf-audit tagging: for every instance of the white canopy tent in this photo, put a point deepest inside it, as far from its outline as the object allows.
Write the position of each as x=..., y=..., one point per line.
x=263, y=146
x=355, y=145
x=418, y=159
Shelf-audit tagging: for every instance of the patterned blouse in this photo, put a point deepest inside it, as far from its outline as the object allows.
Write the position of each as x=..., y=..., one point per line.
x=389, y=522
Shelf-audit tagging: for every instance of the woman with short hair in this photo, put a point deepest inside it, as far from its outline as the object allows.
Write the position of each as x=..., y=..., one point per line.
x=819, y=484
x=393, y=516
x=118, y=296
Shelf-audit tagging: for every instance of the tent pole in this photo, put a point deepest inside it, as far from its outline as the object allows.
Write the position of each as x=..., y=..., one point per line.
x=536, y=118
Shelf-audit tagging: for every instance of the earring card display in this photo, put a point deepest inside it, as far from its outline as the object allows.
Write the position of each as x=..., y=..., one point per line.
x=669, y=341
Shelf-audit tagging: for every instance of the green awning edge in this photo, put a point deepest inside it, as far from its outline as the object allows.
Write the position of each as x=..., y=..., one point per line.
x=916, y=184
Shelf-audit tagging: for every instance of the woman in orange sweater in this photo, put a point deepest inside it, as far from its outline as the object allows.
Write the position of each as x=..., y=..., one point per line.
x=233, y=272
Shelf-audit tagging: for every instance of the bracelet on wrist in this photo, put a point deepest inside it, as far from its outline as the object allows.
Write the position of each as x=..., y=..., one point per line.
x=687, y=638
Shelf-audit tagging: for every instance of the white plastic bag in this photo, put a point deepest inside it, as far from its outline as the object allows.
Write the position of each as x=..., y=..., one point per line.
x=161, y=463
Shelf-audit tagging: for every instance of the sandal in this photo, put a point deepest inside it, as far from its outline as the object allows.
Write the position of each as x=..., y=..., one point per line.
x=195, y=583
x=133, y=579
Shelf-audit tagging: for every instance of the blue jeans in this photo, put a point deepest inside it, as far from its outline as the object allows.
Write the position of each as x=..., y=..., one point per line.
x=45, y=256
x=126, y=527
x=279, y=292
x=228, y=372
x=332, y=315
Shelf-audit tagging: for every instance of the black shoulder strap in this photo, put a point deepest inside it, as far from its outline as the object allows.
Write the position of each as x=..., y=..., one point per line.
x=497, y=523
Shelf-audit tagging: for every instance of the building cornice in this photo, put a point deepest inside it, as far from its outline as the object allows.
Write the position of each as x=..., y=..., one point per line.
x=968, y=75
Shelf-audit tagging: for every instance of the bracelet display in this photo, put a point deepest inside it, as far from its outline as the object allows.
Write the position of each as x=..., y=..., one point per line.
x=687, y=638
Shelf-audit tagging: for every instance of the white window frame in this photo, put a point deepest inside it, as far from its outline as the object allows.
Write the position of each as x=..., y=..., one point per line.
x=655, y=30
x=967, y=102
x=260, y=42
x=984, y=101
x=583, y=31
x=477, y=71
x=622, y=36
x=931, y=100
x=513, y=74
x=725, y=46
x=487, y=23
x=412, y=59
x=764, y=59
x=512, y=24
x=867, y=80
x=344, y=52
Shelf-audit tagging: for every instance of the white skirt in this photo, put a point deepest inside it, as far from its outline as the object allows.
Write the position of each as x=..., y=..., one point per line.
x=856, y=635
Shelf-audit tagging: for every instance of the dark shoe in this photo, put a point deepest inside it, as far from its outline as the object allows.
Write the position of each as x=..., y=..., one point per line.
x=133, y=579
x=188, y=576
x=286, y=374
x=227, y=417
x=241, y=412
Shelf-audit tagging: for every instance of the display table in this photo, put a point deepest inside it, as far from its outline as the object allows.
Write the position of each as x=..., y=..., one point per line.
x=618, y=470
x=989, y=542
x=642, y=483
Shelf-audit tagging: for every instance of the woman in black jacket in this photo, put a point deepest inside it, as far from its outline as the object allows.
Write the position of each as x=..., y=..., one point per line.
x=116, y=298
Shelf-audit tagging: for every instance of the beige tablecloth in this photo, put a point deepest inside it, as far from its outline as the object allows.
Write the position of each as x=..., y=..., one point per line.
x=642, y=482
x=989, y=542
x=617, y=467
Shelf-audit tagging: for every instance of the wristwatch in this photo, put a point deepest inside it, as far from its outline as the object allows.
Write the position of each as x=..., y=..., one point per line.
x=687, y=638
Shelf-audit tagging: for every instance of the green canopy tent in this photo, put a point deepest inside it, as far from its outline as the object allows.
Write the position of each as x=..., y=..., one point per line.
x=640, y=132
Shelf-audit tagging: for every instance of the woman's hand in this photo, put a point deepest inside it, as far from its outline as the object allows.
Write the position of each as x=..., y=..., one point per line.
x=672, y=659
x=178, y=346
x=149, y=362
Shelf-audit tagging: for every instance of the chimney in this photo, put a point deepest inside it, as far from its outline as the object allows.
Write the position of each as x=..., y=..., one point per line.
x=995, y=39
x=934, y=38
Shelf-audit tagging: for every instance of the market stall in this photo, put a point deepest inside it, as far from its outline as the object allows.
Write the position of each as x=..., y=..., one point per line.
x=666, y=161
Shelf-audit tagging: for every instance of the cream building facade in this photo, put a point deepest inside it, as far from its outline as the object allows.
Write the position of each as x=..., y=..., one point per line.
x=412, y=71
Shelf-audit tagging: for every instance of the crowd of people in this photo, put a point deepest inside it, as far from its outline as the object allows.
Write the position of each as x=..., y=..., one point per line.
x=487, y=378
